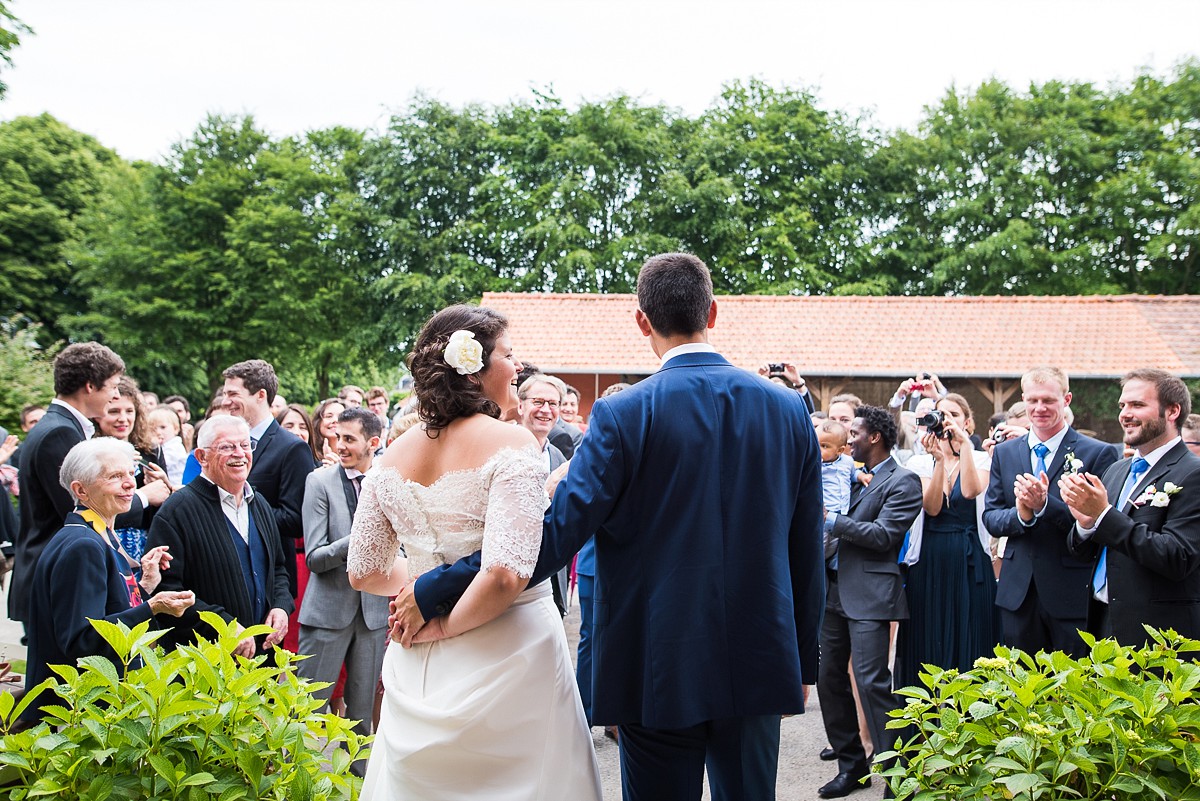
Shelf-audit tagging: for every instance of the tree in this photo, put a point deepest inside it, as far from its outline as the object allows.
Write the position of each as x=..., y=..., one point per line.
x=238, y=247
x=50, y=175
x=792, y=178
x=28, y=373
x=11, y=29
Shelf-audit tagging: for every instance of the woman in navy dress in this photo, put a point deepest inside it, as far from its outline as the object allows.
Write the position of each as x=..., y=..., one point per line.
x=951, y=587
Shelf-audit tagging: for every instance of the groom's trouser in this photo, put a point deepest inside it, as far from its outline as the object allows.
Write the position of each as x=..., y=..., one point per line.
x=741, y=754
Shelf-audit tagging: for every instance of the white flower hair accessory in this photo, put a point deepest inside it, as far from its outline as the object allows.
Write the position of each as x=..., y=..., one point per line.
x=464, y=353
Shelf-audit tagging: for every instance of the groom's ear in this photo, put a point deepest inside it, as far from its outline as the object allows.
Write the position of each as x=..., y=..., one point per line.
x=643, y=322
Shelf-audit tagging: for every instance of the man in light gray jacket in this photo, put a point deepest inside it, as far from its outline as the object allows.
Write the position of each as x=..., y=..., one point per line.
x=338, y=623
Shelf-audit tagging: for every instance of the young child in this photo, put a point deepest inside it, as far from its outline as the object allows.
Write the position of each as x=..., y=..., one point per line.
x=837, y=468
x=164, y=423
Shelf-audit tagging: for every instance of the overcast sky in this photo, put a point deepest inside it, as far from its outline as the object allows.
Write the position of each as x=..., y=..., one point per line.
x=141, y=74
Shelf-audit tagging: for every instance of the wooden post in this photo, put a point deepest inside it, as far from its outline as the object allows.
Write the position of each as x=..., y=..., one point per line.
x=997, y=394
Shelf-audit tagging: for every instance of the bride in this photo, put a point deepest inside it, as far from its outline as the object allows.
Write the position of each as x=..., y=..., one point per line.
x=484, y=705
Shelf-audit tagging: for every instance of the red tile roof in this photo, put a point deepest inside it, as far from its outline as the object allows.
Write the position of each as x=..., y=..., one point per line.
x=1094, y=336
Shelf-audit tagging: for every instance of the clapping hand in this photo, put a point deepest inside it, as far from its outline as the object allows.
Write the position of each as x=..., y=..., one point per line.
x=154, y=561
x=1031, y=494
x=8, y=447
x=1085, y=497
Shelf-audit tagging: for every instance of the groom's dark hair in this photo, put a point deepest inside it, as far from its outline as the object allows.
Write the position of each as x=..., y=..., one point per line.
x=675, y=293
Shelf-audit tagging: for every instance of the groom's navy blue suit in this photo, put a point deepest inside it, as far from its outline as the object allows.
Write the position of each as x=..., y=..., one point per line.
x=702, y=487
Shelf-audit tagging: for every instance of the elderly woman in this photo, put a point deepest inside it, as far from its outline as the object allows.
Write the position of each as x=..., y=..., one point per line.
x=85, y=573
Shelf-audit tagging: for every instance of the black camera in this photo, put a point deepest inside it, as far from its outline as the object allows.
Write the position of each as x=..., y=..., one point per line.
x=775, y=367
x=999, y=435
x=934, y=422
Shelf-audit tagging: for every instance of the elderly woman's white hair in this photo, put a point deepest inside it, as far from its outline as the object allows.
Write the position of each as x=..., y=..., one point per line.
x=87, y=460
x=216, y=424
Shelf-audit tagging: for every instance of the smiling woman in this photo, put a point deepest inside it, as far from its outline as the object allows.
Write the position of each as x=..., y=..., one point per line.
x=85, y=573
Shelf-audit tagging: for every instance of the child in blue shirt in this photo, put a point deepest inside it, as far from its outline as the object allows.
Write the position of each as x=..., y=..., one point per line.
x=837, y=468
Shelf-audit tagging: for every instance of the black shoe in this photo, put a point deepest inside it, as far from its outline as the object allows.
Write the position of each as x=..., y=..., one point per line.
x=844, y=784
x=827, y=754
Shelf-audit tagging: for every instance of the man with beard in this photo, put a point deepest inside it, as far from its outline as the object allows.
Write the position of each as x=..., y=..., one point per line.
x=1140, y=524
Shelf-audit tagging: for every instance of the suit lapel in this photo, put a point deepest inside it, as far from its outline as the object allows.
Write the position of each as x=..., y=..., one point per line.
x=348, y=490
x=1155, y=474
x=880, y=478
x=1060, y=456
x=1117, y=481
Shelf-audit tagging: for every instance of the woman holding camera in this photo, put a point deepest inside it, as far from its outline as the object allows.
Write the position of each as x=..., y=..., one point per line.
x=951, y=586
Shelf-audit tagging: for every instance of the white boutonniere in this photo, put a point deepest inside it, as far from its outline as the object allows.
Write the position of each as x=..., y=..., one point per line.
x=1071, y=464
x=464, y=353
x=1156, y=497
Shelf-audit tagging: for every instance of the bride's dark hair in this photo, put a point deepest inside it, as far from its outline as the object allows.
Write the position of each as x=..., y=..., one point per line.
x=442, y=394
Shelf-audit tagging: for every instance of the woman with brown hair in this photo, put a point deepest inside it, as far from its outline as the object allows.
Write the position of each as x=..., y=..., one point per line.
x=324, y=423
x=294, y=418
x=951, y=586
x=484, y=703
x=125, y=419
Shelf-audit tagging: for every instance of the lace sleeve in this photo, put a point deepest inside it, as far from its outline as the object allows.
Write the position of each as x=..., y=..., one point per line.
x=373, y=541
x=512, y=534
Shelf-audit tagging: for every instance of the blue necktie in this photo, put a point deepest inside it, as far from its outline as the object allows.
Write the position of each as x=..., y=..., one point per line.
x=1139, y=466
x=1040, y=450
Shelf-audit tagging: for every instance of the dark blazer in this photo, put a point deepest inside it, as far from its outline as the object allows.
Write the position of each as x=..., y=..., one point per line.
x=278, y=470
x=205, y=560
x=44, y=502
x=565, y=437
x=1038, y=554
x=869, y=537
x=702, y=487
x=1153, y=560
x=78, y=577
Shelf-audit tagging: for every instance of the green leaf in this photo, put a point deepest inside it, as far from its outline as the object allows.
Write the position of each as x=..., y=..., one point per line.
x=1022, y=782
x=981, y=709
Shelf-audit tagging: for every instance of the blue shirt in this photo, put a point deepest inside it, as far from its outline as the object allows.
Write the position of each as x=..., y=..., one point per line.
x=837, y=477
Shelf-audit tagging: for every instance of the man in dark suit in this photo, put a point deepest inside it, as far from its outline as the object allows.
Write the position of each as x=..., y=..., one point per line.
x=223, y=543
x=1140, y=525
x=282, y=461
x=339, y=624
x=1044, y=589
x=85, y=381
x=865, y=593
x=702, y=487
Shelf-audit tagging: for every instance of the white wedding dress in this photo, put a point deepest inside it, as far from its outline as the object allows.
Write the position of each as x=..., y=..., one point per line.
x=493, y=713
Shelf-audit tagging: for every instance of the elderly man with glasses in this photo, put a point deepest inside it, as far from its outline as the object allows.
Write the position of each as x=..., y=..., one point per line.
x=224, y=541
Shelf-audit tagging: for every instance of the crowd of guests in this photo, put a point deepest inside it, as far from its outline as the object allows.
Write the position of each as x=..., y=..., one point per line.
x=943, y=537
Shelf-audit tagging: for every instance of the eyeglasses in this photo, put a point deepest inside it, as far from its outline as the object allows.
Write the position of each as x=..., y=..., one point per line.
x=227, y=448
x=540, y=402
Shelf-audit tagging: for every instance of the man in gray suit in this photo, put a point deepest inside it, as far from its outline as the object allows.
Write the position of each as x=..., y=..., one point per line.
x=865, y=592
x=338, y=623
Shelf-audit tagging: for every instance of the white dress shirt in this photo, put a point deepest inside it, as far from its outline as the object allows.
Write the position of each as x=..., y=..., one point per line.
x=688, y=347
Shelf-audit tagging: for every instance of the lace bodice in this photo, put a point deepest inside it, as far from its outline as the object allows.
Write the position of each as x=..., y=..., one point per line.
x=497, y=506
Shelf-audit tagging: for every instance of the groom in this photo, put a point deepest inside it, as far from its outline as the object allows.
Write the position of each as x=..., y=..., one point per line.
x=702, y=487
